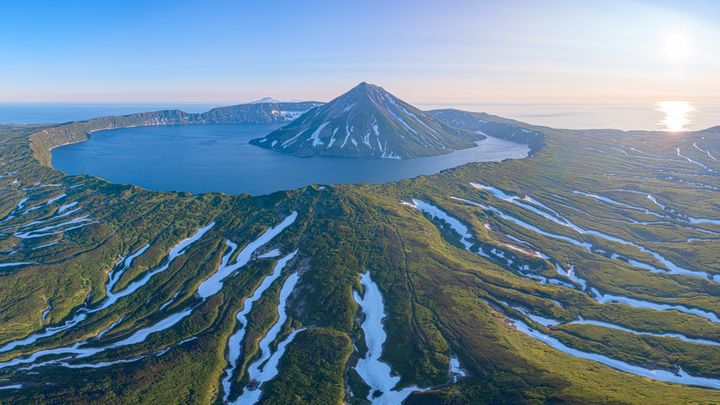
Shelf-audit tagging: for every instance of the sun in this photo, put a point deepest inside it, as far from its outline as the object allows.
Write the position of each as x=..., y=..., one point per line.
x=677, y=46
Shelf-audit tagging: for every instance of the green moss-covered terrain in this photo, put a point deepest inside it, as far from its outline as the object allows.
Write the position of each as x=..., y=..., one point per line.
x=604, y=241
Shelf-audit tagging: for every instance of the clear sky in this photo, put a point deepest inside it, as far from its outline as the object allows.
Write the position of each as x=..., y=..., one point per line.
x=465, y=51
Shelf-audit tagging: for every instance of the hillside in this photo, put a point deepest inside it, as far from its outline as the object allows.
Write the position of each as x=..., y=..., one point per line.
x=265, y=112
x=491, y=125
x=586, y=274
x=368, y=122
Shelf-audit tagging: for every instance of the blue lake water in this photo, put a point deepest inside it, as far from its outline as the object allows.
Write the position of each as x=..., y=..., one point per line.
x=204, y=158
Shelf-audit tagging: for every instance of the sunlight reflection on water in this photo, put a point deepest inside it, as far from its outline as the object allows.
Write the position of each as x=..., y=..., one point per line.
x=678, y=115
x=639, y=115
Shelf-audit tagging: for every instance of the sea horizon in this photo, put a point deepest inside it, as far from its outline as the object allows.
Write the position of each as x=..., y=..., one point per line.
x=641, y=116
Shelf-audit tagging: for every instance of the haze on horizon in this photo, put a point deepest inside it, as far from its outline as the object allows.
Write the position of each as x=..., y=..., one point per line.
x=423, y=51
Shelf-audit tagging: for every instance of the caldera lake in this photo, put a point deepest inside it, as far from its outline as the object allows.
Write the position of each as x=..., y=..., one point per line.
x=219, y=158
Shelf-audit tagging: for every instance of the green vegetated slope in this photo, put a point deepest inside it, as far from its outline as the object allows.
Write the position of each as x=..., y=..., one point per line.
x=442, y=299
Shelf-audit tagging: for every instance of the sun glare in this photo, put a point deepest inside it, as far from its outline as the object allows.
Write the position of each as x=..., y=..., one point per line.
x=677, y=115
x=677, y=46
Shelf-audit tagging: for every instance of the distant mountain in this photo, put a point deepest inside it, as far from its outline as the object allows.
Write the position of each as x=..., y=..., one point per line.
x=367, y=121
x=265, y=100
x=490, y=125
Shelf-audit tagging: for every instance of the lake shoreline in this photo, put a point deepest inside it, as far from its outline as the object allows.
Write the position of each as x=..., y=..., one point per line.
x=156, y=158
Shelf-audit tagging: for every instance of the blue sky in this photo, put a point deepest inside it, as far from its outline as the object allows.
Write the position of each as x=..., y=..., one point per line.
x=423, y=51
